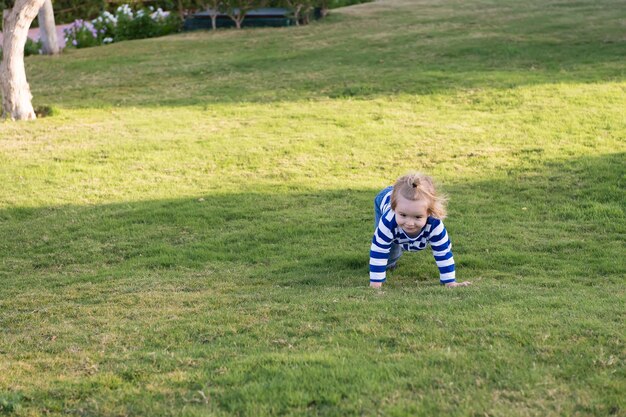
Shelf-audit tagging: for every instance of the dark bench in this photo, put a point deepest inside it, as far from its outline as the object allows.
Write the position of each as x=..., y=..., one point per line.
x=268, y=16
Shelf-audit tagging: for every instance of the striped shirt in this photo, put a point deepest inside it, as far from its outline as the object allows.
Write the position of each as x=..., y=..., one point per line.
x=388, y=232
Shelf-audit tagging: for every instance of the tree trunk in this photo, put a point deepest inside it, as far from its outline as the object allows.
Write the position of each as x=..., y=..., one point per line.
x=239, y=21
x=16, y=97
x=237, y=17
x=47, y=29
x=296, y=14
x=181, y=10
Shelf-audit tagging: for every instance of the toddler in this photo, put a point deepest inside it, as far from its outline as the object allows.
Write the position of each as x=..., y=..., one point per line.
x=408, y=217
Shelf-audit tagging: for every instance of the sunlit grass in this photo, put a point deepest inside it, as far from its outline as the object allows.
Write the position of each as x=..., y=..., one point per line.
x=189, y=233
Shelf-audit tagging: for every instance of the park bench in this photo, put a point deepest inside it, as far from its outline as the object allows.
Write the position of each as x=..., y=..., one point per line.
x=267, y=16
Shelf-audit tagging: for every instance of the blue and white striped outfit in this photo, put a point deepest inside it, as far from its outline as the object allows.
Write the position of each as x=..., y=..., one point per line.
x=389, y=238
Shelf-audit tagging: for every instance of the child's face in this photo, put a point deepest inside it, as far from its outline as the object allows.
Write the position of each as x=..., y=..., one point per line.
x=411, y=215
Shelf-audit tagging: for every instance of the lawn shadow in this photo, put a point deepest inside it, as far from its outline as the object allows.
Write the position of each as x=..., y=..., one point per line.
x=561, y=218
x=263, y=236
x=541, y=221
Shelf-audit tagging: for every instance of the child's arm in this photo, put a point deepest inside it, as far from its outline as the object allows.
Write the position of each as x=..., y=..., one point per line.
x=379, y=253
x=458, y=284
x=442, y=251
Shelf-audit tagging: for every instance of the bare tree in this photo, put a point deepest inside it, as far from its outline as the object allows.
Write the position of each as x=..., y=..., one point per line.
x=237, y=9
x=323, y=5
x=16, y=96
x=215, y=7
x=301, y=10
x=181, y=9
x=47, y=29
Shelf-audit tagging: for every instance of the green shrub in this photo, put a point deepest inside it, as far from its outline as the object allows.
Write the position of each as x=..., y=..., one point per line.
x=31, y=48
x=145, y=23
x=81, y=35
x=67, y=11
x=124, y=25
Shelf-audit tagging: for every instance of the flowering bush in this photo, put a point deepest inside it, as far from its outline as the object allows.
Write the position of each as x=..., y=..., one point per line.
x=105, y=25
x=81, y=34
x=145, y=23
x=123, y=25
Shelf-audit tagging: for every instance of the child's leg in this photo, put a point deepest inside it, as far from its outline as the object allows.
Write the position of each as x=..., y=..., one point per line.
x=394, y=255
x=396, y=250
x=377, y=202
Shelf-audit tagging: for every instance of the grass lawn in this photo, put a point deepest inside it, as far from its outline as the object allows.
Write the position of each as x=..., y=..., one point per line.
x=188, y=234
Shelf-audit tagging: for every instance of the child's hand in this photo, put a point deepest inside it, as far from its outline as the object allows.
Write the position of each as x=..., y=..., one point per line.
x=376, y=284
x=458, y=284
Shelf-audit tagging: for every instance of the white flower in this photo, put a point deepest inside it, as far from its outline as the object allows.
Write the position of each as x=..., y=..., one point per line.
x=108, y=17
x=107, y=40
x=125, y=10
x=159, y=14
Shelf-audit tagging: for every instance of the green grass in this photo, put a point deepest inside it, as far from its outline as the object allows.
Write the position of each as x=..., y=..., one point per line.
x=188, y=233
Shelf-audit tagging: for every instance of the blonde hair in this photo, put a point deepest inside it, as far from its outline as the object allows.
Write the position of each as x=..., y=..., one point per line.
x=417, y=186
